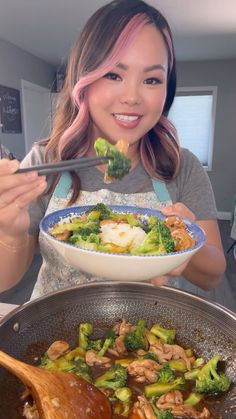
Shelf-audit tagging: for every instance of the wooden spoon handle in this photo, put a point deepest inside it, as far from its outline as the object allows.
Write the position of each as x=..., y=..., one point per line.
x=59, y=395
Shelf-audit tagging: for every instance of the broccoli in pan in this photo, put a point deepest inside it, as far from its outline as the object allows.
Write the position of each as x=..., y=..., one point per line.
x=143, y=371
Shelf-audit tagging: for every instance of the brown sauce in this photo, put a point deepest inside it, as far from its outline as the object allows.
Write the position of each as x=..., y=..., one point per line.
x=210, y=402
x=15, y=405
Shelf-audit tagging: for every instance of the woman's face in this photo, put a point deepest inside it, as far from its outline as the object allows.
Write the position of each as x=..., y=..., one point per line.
x=128, y=101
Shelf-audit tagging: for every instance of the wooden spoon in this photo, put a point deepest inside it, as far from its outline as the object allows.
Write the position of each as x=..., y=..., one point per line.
x=59, y=395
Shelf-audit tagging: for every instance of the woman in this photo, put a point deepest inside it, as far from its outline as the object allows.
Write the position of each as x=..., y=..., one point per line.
x=120, y=84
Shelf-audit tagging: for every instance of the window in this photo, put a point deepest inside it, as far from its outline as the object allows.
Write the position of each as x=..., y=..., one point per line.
x=193, y=114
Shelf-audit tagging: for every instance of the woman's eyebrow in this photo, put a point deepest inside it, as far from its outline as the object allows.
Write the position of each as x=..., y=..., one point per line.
x=155, y=67
x=146, y=69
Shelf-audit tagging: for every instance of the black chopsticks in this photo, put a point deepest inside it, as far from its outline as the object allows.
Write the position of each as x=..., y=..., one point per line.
x=65, y=165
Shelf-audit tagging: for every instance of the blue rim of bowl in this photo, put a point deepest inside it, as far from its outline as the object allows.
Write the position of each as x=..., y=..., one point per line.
x=57, y=216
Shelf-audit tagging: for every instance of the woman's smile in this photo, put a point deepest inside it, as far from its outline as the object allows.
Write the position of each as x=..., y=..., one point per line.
x=127, y=120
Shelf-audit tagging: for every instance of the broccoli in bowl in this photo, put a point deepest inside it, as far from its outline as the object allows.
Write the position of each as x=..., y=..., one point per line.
x=105, y=230
x=120, y=243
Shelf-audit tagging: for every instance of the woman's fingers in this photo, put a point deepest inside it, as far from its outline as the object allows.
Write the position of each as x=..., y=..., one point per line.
x=179, y=209
x=26, y=198
x=10, y=195
x=178, y=271
x=161, y=280
x=13, y=180
x=16, y=192
x=8, y=167
x=166, y=279
x=14, y=217
x=20, y=197
x=10, y=179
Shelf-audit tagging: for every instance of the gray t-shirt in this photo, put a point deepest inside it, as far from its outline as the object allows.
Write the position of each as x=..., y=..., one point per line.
x=192, y=187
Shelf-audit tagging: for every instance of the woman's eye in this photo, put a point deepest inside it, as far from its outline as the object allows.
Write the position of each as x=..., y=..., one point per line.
x=152, y=80
x=112, y=76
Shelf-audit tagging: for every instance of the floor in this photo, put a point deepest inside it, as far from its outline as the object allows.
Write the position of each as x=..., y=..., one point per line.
x=225, y=294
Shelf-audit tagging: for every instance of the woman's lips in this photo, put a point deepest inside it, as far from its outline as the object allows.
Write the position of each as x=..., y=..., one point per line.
x=127, y=120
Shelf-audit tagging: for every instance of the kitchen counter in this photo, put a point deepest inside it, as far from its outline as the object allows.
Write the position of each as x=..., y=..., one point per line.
x=6, y=308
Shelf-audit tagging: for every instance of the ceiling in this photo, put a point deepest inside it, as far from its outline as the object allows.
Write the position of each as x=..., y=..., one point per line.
x=202, y=29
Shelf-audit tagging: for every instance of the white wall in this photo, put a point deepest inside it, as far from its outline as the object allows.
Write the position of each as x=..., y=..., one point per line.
x=17, y=64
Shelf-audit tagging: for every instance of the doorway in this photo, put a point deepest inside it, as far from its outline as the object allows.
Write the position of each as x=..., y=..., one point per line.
x=36, y=106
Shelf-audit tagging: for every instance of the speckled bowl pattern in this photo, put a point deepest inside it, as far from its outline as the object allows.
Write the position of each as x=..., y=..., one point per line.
x=115, y=266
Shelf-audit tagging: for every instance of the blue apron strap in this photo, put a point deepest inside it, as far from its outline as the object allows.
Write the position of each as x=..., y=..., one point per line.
x=63, y=187
x=161, y=191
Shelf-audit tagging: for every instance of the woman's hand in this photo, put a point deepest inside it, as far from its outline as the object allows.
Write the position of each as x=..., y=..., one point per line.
x=180, y=210
x=206, y=267
x=166, y=279
x=16, y=192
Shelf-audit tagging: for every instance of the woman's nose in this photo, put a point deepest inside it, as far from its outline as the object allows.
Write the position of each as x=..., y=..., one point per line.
x=130, y=95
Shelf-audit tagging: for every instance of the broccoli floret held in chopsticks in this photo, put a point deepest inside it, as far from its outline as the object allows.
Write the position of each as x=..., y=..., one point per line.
x=119, y=164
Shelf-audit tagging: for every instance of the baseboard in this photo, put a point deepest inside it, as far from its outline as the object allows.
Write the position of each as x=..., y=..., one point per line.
x=224, y=215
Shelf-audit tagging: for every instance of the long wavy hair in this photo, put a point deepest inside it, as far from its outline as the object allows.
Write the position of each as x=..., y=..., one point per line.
x=106, y=36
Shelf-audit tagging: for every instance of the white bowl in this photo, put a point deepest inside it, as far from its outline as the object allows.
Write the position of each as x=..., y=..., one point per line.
x=116, y=266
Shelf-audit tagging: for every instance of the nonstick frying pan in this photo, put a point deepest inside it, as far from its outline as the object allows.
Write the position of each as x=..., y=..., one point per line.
x=28, y=331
